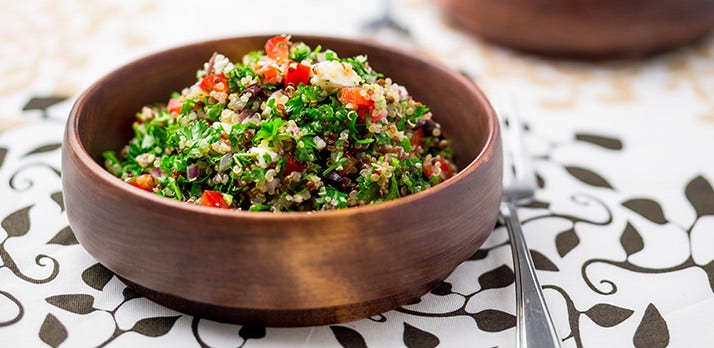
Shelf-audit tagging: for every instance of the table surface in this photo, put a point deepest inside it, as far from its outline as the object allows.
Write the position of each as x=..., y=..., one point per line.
x=621, y=231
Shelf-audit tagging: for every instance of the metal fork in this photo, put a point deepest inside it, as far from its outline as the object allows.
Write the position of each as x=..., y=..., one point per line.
x=534, y=325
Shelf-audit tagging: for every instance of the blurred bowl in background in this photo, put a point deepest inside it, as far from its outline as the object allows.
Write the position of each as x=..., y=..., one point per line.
x=585, y=28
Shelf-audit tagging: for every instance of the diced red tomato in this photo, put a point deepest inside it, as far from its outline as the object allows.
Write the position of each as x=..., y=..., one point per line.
x=278, y=48
x=445, y=168
x=428, y=168
x=292, y=165
x=213, y=199
x=214, y=82
x=144, y=182
x=297, y=73
x=269, y=73
x=174, y=106
x=360, y=102
x=417, y=138
x=354, y=95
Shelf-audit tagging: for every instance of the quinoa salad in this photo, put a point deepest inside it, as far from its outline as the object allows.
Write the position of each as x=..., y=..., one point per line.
x=287, y=128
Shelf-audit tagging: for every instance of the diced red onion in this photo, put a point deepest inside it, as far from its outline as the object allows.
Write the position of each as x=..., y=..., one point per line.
x=192, y=172
x=270, y=186
x=157, y=173
x=244, y=114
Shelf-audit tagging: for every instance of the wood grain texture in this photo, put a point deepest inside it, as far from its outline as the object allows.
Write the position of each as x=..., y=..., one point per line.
x=285, y=269
x=585, y=28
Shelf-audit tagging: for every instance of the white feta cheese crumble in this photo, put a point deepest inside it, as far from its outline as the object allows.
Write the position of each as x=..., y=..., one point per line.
x=262, y=152
x=333, y=75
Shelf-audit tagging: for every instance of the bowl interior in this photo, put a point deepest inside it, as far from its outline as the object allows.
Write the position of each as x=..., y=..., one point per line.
x=115, y=100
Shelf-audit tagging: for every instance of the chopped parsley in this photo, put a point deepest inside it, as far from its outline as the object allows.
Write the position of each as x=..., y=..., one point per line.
x=288, y=128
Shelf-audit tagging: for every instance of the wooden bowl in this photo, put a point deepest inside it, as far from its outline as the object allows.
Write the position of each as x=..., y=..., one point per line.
x=585, y=28
x=279, y=269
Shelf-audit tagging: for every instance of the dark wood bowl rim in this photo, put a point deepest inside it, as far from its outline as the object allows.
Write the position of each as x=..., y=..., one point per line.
x=87, y=162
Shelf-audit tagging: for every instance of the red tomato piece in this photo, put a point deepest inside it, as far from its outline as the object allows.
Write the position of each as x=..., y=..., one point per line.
x=445, y=169
x=174, y=106
x=358, y=99
x=213, y=199
x=269, y=73
x=144, y=182
x=278, y=48
x=417, y=139
x=297, y=73
x=292, y=165
x=428, y=168
x=214, y=82
x=355, y=96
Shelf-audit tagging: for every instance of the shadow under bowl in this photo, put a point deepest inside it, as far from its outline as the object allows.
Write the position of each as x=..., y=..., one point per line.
x=279, y=269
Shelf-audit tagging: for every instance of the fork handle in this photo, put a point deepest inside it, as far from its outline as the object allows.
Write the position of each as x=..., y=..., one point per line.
x=534, y=325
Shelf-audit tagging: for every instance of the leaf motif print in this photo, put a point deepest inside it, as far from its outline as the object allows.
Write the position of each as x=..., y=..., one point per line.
x=499, y=277
x=647, y=208
x=18, y=223
x=492, y=320
x=566, y=241
x=43, y=103
x=52, y=331
x=536, y=204
x=75, y=303
x=600, y=140
x=700, y=194
x=97, y=276
x=652, y=331
x=417, y=338
x=59, y=199
x=44, y=148
x=631, y=240
x=64, y=237
x=542, y=262
x=347, y=337
x=607, y=315
x=155, y=327
x=587, y=176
